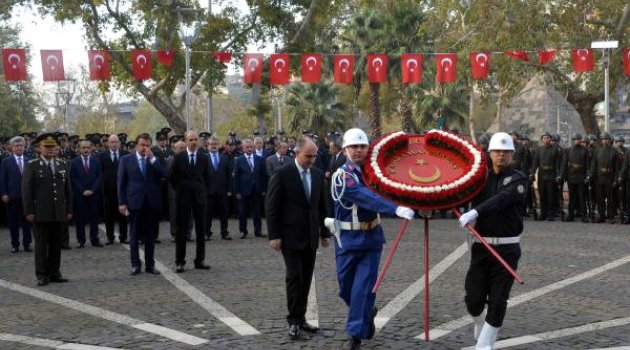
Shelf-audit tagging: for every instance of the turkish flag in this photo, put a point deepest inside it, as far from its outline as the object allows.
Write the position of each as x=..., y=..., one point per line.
x=480, y=64
x=545, y=56
x=625, y=59
x=343, y=68
x=377, y=68
x=99, y=64
x=311, y=68
x=14, y=64
x=411, y=64
x=583, y=60
x=279, y=69
x=519, y=55
x=252, y=69
x=166, y=57
x=446, y=67
x=141, y=64
x=52, y=65
x=223, y=57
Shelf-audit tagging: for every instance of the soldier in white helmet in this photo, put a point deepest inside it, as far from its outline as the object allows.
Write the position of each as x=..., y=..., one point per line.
x=359, y=237
x=497, y=215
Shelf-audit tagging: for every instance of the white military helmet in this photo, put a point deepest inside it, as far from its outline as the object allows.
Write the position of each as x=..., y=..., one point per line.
x=354, y=136
x=501, y=141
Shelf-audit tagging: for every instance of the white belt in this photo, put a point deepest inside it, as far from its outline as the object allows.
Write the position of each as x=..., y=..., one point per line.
x=346, y=225
x=499, y=240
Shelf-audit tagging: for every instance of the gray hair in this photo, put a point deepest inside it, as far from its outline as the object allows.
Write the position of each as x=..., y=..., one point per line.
x=16, y=139
x=303, y=141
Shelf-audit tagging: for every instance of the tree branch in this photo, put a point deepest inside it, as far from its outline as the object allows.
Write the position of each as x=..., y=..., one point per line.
x=119, y=21
x=623, y=22
x=306, y=23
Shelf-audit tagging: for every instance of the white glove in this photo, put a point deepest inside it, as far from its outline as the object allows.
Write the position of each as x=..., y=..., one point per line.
x=467, y=218
x=331, y=224
x=405, y=213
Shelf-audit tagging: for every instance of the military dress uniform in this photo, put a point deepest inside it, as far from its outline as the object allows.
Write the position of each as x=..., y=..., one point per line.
x=47, y=195
x=623, y=179
x=546, y=160
x=574, y=170
x=619, y=190
x=358, y=245
x=602, y=169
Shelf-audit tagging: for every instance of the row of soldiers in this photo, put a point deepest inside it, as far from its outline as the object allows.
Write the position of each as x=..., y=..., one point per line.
x=596, y=172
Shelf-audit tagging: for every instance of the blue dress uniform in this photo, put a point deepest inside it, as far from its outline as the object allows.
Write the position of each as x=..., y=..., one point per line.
x=358, y=246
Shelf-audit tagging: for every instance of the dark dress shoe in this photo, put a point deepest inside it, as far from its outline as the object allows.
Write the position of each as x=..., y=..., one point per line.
x=28, y=249
x=65, y=247
x=179, y=268
x=569, y=219
x=189, y=239
x=551, y=218
x=15, y=250
x=260, y=235
x=354, y=344
x=109, y=242
x=372, y=329
x=124, y=241
x=294, y=331
x=306, y=327
x=80, y=245
x=227, y=238
x=152, y=270
x=157, y=241
x=58, y=279
x=202, y=266
x=243, y=235
x=135, y=271
x=97, y=244
x=42, y=281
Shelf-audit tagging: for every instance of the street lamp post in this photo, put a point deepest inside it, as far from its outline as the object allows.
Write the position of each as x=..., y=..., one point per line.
x=66, y=90
x=606, y=46
x=188, y=30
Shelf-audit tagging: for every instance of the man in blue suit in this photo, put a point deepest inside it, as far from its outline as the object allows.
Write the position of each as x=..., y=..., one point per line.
x=139, y=177
x=250, y=186
x=86, y=177
x=11, y=171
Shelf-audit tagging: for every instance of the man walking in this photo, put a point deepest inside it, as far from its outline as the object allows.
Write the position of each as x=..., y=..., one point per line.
x=296, y=208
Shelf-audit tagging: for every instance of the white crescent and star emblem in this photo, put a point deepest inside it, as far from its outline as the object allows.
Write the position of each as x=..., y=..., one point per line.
x=253, y=64
x=379, y=61
x=142, y=58
x=507, y=180
x=343, y=64
x=279, y=62
x=412, y=63
x=97, y=58
x=443, y=63
x=582, y=57
x=479, y=57
x=52, y=58
x=17, y=60
x=308, y=61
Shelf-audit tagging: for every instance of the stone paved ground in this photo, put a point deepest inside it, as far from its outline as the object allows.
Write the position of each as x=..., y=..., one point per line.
x=247, y=279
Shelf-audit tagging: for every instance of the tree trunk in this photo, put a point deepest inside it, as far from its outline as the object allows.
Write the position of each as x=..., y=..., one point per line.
x=585, y=105
x=471, y=114
x=406, y=119
x=256, y=104
x=375, y=110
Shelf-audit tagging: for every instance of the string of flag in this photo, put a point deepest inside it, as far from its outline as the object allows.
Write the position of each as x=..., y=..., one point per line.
x=14, y=64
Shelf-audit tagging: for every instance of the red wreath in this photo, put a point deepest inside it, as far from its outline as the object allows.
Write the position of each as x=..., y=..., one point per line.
x=436, y=170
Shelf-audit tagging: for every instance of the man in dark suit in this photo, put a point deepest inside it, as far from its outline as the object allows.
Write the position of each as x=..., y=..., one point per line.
x=250, y=186
x=139, y=176
x=47, y=200
x=221, y=187
x=190, y=177
x=337, y=159
x=259, y=148
x=87, y=177
x=296, y=209
x=110, y=160
x=279, y=159
x=11, y=170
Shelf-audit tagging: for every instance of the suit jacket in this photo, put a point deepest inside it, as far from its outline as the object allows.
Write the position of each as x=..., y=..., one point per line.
x=222, y=182
x=265, y=153
x=134, y=188
x=246, y=181
x=110, y=172
x=336, y=162
x=11, y=177
x=84, y=181
x=273, y=163
x=190, y=183
x=290, y=217
x=46, y=195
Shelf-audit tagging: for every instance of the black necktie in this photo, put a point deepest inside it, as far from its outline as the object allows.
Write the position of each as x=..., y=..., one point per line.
x=192, y=159
x=115, y=157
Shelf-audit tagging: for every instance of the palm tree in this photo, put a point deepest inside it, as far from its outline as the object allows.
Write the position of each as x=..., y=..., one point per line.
x=314, y=107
